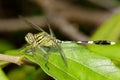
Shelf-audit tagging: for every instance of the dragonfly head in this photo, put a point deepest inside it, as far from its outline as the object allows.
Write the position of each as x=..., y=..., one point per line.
x=30, y=38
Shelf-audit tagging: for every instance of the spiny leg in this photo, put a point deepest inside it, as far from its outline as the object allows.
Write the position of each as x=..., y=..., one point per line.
x=31, y=50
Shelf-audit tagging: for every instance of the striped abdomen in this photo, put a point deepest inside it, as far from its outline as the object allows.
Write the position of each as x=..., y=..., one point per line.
x=98, y=42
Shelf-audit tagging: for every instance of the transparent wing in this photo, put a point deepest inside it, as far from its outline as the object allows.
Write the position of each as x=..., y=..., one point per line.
x=62, y=53
x=32, y=25
x=58, y=46
x=51, y=32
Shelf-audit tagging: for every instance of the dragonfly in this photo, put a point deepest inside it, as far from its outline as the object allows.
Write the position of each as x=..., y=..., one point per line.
x=43, y=39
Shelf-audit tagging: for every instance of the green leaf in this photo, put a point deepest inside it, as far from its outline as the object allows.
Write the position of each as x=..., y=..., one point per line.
x=109, y=30
x=110, y=51
x=2, y=75
x=14, y=52
x=82, y=64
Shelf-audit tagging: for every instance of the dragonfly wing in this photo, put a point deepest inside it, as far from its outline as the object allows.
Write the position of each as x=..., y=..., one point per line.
x=32, y=25
x=57, y=45
x=61, y=53
x=51, y=32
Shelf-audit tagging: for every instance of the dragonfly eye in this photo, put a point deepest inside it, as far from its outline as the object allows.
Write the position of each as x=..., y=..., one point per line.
x=29, y=38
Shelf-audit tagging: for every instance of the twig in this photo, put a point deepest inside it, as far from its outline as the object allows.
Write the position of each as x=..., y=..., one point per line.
x=12, y=59
x=19, y=60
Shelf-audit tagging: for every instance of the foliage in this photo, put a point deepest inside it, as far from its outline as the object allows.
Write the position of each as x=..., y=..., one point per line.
x=2, y=75
x=108, y=31
x=82, y=64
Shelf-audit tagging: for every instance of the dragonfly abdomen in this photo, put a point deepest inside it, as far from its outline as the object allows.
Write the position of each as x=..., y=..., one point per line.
x=98, y=42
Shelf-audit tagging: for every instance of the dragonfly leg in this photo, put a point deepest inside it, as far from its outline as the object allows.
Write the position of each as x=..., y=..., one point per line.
x=31, y=50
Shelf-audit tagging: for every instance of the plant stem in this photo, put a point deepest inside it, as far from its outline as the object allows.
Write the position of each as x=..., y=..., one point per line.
x=12, y=59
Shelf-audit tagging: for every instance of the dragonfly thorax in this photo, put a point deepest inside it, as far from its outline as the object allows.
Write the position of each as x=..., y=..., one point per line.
x=40, y=39
x=43, y=39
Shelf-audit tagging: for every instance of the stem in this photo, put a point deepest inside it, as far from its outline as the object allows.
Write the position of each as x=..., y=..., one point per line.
x=12, y=59
x=19, y=60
